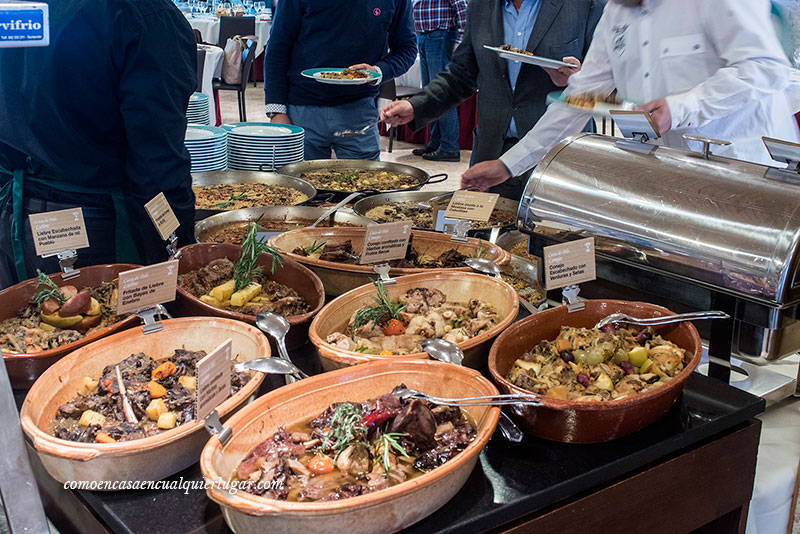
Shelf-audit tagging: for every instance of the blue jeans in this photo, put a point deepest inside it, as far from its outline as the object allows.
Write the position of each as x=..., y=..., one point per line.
x=336, y=127
x=435, y=52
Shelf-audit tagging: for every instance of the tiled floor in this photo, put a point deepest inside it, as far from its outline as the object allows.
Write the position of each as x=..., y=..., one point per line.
x=401, y=151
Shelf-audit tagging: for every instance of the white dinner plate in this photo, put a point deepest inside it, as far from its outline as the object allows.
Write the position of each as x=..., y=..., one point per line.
x=532, y=60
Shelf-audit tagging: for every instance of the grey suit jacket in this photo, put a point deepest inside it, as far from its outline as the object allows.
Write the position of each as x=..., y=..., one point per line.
x=562, y=28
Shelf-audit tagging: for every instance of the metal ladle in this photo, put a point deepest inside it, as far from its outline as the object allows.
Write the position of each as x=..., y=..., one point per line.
x=276, y=326
x=330, y=211
x=442, y=350
x=448, y=352
x=271, y=366
x=668, y=319
x=487, y=266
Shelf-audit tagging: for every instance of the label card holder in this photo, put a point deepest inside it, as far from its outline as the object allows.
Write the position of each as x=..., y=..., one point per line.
x=213, y=374
x=471, y=205
x=58, y=231
x=568, y=264
x=165, y=221
x=385, y=242
x=146, y=287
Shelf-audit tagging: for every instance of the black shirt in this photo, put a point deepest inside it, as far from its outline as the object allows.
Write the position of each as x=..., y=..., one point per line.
x=104, y=106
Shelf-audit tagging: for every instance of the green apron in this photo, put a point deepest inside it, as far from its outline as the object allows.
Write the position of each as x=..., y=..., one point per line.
x=126, y=251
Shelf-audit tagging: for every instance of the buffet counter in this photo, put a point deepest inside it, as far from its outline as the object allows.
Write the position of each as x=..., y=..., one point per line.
x=538, y=485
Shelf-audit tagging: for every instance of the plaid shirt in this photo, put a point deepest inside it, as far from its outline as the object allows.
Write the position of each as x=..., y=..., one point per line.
x=430, y=15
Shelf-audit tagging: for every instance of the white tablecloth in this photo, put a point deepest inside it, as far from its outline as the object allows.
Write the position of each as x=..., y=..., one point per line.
x=212, y=68
x=209, y=28
x=778, y=455
x=412, y=78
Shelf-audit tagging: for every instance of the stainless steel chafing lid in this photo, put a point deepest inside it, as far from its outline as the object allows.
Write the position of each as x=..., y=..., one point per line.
x=721, y=221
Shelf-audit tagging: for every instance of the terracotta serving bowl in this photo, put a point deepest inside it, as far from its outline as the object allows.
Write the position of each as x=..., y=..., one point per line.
x=457, y=286
x=292, y=274
x=589, y=422
x=24, y=369
x=339, y=278
x=384, y=511
x=150, y=458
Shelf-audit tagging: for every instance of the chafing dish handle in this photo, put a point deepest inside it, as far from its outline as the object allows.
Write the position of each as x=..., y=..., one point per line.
x=707, y=142
x=18, y=488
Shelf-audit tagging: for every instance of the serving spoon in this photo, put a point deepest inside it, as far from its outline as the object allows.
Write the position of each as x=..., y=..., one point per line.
x=486, y=400
x=330, y=211
x=487, y=266
x=449, y=352
x=668, y=319
x=442, y=350
x=272, y=366
x=276, y=326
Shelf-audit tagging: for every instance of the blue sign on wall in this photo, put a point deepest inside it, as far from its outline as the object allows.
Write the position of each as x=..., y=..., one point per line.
x=23, y=24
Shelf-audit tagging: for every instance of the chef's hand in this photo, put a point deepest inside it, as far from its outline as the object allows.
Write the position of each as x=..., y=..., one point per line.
x=659, y=110
x=281, y=118
x=397, y=113
x=560, y=76
x=485, y=175
x=363, y=66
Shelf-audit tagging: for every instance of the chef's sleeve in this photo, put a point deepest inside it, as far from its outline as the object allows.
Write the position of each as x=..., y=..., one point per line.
x=742, y=36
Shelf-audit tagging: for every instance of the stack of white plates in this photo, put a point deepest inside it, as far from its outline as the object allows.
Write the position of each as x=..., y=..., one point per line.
x=198, y=111
x=208, y=146
x=255, y=144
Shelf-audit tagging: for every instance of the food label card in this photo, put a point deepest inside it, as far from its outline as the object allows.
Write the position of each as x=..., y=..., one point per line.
x=471, y=205
x=569, y=263
x=385, y=242
x=162, y=216
x=147, y=286
x=57, y=231
x=213, y=379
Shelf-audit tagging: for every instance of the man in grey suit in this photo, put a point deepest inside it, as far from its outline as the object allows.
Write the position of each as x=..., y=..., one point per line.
x=511, y=95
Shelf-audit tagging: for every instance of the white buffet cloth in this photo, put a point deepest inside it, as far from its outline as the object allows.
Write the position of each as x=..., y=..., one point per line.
x=209, y=29
x=778, y=455
x=212, y=68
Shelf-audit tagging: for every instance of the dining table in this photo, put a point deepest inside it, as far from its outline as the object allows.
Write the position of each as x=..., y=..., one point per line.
x=212, y=68
x=208, y=25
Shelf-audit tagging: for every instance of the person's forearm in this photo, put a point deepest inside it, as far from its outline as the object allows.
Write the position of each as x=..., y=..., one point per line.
x=554, y=126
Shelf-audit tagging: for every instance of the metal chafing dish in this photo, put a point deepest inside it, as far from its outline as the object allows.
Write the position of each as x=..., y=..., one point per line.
x=670, y=225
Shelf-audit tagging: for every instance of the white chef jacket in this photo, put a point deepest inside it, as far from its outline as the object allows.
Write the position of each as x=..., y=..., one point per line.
x=718, y=63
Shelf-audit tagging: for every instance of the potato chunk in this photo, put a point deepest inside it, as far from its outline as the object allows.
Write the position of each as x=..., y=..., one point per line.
x=224, y=291
x=243, y=296
x=87, y=385
x=90, y=417
x=188, y=382
x=155, y=409
x=167, y=420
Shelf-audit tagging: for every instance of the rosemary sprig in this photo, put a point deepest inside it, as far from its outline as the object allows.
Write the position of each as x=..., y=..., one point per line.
x=389, y=443
x=233, y=198
x=481, y=252
x=245, y=268
x=311, y=249
x=50, y=290
x=346, y=428
x=384, y=308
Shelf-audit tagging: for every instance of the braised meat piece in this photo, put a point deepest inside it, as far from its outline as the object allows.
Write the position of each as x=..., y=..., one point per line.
x=339, y=253
x=207, y=278
x=418, y=422
x=451, y=258
x=421, y=299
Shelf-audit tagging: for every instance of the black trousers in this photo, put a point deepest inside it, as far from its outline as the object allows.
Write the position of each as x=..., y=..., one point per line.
x=514, y=186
